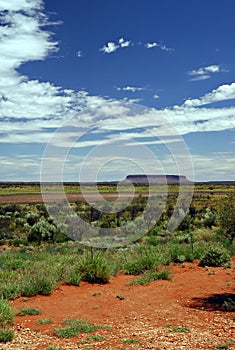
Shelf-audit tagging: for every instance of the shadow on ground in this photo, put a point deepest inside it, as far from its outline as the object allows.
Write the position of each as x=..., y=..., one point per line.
x=215, y=302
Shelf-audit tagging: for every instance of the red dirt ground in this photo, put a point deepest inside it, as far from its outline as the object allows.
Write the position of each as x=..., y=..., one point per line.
x=148, y=315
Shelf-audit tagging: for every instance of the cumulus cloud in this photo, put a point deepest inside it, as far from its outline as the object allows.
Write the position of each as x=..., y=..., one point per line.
x=205, y=72
x=156, y=96
x=28, y=103
x=124, y=43
x=222, y=93
x=112, y=47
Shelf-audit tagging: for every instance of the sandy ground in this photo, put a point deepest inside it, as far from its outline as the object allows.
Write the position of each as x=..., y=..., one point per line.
x=145, y=317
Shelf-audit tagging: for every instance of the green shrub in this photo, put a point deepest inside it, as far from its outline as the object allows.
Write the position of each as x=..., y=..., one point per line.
x=144, y=258
x=226, y=217
x=73, y=276
x=94, y=268
x=6, y=335
x=6, y=314
x=9, y=290
x=216, y=256
x=180, y=253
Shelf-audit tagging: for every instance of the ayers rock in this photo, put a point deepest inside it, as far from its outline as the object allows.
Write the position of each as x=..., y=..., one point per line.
x=157, y=179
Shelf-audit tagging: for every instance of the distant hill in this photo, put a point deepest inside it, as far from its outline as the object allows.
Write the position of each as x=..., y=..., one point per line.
x=157, y=179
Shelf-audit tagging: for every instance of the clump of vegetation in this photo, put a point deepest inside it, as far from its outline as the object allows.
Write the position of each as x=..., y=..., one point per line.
x=216, y=256
x=151, y=276
x=226, y=217
x=225, y=346
x=6, y=335
x=45, y=321
x=6, y=321
x=130, y=341
x=180, y=329
x=94, y=268
x=29, y=311
x=74, y=326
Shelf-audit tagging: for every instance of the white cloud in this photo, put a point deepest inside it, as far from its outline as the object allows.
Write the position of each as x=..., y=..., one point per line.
x=156, y=96
x=79, y=53
x=160, y=45
x=30, y=110
x=124, y=43
x=200, y=77
x=222, y=93
x=20, y=5
x=112, y=47
x=204, y=72
x=130, y=88
x=28, y=103
x=150, y=45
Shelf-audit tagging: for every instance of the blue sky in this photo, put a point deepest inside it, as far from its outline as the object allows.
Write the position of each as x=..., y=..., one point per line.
x=100, y=59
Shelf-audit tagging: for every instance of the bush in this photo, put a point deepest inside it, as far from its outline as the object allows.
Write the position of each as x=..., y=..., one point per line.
x=226, y=218
x=6, y=335
x=216, y=256
x=37, y=285
x=94, y=268
x=6, y=320
x=6, y=314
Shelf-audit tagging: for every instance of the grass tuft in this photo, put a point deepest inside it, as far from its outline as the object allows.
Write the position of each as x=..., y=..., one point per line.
x=29, y=311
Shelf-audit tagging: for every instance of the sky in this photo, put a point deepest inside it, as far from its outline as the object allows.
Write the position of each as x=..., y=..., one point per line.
x=102, y=89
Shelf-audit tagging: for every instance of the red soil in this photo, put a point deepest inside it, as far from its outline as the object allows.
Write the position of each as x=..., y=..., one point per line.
x=148, y=314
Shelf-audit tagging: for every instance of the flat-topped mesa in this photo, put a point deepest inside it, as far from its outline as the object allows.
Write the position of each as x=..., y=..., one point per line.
x=157, y=179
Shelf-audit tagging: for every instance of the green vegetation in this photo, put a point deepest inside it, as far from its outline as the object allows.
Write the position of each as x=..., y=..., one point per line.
x=53, y=348
x=45, y=321
x=6, y=335
x=6, y=321
x=151, y=276
x=28, y=311
x=216, y=256
x=225, y=346
x=36, y=255
x=75, y=326
x=130, y=341
x=180, y=329
x=226, y=217
x=96, y=337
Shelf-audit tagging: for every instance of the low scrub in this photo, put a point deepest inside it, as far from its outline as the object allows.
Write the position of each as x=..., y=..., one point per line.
x=75, y=326
x=94, y=268
x=28, y=311
x=6, y=335
x=6, y=321
x=151, y=276
x=216, y=256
